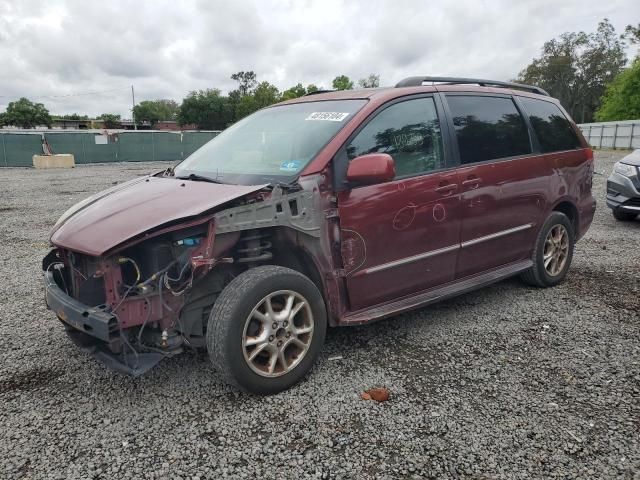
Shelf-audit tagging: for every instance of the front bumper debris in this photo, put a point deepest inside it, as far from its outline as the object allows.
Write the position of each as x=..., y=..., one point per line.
x=93, y=321
x=96, y=331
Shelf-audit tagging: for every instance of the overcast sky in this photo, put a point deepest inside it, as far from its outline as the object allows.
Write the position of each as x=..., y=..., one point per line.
x=59, y=52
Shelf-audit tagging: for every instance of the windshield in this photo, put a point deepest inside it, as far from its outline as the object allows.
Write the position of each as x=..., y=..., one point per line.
x=272, y=145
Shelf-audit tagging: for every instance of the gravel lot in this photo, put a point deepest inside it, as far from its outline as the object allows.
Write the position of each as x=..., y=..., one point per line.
x=506, y=382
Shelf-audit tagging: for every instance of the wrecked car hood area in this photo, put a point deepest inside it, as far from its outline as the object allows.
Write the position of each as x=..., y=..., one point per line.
x=135, y=270
x=139, y=207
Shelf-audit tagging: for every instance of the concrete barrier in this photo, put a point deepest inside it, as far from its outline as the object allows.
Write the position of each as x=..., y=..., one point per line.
x=62, y=160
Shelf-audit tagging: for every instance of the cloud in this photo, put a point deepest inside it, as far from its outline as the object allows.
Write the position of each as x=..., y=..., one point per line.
x=62, y=52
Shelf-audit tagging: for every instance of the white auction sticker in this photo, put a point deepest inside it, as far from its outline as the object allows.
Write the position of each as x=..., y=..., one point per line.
x=328, y=116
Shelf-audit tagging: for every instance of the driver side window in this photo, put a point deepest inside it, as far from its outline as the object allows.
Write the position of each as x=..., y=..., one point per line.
x=409, y=131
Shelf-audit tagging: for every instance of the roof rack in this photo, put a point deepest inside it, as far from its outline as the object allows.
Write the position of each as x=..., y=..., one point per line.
x=317, y=92
x=417, y=81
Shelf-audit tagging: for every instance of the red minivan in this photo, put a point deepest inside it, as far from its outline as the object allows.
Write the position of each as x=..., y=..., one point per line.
x=336, y=208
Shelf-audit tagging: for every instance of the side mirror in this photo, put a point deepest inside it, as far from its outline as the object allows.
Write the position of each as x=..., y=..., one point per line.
x=371, y=168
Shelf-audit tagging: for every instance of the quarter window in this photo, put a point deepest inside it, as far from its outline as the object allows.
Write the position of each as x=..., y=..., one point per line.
x=409, y=131
x=488, y=128
x=552, y=128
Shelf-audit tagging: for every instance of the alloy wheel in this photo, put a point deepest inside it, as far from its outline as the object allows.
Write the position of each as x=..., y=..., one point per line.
x=556, y=250
x=277, y=333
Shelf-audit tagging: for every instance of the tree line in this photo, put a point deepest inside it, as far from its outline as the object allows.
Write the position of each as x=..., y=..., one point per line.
x=210, y=110
x=205, y=109
x=588, y=72
x=24, y=113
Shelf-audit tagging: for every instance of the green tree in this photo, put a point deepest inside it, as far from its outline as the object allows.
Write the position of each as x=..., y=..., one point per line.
x=153, y=111
x=73, y=116
x=26, y=114
x=234, y=100
x=632, y=33
x=294, y=92
x=622, y=98
x=576, y=68
x=372, y=81
x=266, y=94
x=298, y=91
x=111, y=120
x=251, y=95
x=262, y=96
x=240, y=100
x=342, y=82
x=245, y=106
x=246, y=80
x=206, y=109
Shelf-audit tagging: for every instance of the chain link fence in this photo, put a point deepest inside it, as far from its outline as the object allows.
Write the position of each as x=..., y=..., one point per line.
x=18, y=148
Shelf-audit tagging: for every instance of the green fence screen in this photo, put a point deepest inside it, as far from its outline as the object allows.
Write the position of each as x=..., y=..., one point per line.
x=17, y=149
x=194, y=140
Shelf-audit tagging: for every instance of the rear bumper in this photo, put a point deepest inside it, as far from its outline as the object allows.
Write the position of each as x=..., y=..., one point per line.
x=622, y=194
x=96, y=331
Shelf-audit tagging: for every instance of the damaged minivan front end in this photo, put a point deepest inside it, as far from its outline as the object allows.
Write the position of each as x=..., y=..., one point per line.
x=132, y=288
x=235, y=250
x=124, y=306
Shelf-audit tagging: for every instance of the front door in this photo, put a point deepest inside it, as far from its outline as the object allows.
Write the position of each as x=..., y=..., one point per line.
x=402, y=236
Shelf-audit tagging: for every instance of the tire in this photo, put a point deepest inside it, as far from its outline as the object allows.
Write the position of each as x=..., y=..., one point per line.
x=623, y=216
x=543, y=276
x=240, y=315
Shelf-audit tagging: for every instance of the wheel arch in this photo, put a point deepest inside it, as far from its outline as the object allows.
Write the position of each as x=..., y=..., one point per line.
x=310, y=257
x=569, y=208
x=298, y=259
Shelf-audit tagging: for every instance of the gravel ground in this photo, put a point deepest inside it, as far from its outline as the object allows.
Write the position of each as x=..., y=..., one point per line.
x=506, y=382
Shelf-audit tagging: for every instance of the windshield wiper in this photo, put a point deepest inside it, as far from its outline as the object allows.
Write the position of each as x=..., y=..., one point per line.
x=199, y=178
x=285, y=186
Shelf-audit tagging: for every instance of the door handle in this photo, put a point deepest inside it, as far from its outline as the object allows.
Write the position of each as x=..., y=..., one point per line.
x=471, y=182
x=449, y=187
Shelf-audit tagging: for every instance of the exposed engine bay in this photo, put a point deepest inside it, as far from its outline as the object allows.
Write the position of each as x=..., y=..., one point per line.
x=151, y=299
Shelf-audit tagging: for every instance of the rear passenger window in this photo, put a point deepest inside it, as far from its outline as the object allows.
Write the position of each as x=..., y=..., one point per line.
x=488, y=128
x=409, y=131
x=552, y=128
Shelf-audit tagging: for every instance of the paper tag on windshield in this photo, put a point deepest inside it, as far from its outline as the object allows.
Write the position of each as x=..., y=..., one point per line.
x=328, y=116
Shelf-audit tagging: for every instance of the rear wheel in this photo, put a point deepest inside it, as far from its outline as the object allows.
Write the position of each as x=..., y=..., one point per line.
x=266, y=329
x=623, y=216
x=553, y=252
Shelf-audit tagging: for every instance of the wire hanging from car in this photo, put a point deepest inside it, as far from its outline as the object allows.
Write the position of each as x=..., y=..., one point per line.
x=114, y=310
x=144, y=323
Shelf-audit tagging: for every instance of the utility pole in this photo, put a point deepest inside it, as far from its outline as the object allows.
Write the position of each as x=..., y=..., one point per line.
x=133, y=105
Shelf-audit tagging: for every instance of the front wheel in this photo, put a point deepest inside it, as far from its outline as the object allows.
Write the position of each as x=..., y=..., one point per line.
x=552, y=253
x=266, y=329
